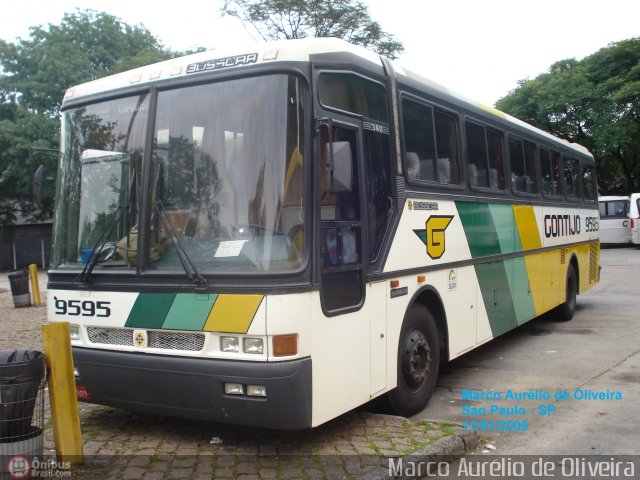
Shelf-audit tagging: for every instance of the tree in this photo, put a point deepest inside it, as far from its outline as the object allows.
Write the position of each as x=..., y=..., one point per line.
x=34, y=74
x=85, y=46
x=594, y=102
x=17, y=137
x=346, y=19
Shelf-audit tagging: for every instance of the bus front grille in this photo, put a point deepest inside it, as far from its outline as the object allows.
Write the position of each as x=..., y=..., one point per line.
x=194, y=342
x=110, y=336
x=164, y=340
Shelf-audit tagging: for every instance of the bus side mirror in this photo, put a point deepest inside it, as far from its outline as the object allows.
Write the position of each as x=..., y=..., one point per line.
x=339, y=168
x=36, y=186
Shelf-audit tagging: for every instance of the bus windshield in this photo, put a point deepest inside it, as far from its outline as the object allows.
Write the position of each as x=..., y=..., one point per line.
x=225, y=179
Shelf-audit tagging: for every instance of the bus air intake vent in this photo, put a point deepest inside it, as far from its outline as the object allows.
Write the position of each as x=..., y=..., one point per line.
x=110, y=336
x=593, y=262
x=193, y=342
x=563, y=256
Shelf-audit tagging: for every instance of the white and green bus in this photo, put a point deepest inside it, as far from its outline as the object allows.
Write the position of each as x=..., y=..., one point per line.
x=273, y=236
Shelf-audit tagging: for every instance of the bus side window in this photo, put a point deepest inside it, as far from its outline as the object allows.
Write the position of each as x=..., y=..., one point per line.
x=447, y=147
x=550, y=167
x=588, y=184
x=496, y=159
x=571, y=177
x=419, y=141
x=431, y=143
x=477, y=155
x=522, y=160
x=485, y=157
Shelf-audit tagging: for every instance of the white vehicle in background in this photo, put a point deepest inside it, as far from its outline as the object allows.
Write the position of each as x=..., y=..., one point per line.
x=634, y=217
x=614, y=221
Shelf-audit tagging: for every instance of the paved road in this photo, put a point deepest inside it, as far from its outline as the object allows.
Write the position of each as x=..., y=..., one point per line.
x=598, y=351
x=122, y=445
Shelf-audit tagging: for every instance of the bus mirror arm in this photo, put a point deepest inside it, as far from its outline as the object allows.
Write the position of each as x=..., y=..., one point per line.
x=36, y=186
x=38, y=177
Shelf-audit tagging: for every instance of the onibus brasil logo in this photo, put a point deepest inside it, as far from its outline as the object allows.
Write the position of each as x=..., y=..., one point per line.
x=22, y=467
x=433, y=235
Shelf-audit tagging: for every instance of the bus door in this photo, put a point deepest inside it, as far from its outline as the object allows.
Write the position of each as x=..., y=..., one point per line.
x=343, y=252
x=341, y=244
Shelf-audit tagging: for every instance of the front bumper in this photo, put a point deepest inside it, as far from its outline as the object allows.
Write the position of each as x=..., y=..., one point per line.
x=194, y=387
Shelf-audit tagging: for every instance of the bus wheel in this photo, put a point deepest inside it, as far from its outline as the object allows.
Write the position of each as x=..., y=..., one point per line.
x=418, y=362
x=568, y=308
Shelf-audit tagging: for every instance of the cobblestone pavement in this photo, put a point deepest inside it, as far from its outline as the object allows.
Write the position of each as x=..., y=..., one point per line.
x=123, y=445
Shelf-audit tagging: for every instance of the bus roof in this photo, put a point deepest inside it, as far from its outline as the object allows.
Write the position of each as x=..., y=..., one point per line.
x=299, y=50
x=232, y=58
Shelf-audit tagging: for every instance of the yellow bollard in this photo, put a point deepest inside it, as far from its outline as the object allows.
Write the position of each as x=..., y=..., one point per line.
x=35, y=289
x=62, y=392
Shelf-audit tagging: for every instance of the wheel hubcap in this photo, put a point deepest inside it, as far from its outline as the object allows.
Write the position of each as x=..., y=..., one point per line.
x=416, y=359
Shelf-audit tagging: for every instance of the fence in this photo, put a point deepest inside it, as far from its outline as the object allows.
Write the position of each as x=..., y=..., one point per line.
x=22, y=245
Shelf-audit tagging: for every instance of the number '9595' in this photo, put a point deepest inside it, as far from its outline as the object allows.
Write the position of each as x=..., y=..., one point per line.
x=84, y=308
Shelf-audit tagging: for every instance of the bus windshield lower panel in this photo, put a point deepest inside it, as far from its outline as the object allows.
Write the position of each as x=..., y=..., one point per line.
x=226, y=178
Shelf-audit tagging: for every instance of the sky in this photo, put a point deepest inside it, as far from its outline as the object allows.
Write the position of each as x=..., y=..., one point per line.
x=479, y=48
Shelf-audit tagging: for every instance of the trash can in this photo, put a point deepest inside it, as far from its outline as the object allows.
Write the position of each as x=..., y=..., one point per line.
x=22, y=375
x=19, y=282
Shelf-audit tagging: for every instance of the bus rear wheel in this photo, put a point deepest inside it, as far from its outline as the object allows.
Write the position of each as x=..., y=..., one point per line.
x=418, y=362
x=566, y=311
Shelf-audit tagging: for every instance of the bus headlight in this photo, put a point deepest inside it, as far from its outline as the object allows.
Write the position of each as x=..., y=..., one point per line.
x=233, y=389
x=229, y=344
x=74, y=332
x=256, y=390
x=253, y=345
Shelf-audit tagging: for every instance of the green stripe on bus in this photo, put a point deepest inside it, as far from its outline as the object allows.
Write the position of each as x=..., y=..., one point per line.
x=502, y=216
x=517, y=241
x=150, y=310
x=516, y=269
x=479, y=229
x=189, y=311
x=496, y=294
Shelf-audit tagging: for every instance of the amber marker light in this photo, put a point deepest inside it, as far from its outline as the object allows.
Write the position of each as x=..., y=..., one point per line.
x=285, y=345
x=422, y=278
x=395, y=283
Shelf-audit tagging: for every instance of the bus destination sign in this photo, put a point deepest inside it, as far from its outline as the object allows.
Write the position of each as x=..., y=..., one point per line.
x=220, y=63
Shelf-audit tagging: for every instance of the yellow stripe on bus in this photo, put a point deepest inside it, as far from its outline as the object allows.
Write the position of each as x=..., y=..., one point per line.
x=539, y=278
x=233, y=313
x=527, y=227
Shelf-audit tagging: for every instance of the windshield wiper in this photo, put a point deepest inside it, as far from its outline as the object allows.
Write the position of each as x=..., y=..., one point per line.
x=190, y=269
x=99, y=246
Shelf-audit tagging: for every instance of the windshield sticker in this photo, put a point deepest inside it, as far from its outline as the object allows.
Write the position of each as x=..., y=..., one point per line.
x=219, y=63
x=230, y=249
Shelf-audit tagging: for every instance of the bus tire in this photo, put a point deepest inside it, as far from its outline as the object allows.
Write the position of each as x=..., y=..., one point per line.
x=566, y=311
x=418, y=362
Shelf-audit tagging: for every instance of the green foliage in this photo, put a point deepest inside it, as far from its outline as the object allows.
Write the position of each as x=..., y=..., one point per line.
x=85, y=46
x=346, y=19
x=594, y=102
x=34, y=74
x=18, y=135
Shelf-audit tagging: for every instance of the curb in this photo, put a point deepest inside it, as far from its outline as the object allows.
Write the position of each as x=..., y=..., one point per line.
x=445, y=449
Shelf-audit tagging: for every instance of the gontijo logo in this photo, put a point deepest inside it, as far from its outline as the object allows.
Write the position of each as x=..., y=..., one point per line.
x=433, y=235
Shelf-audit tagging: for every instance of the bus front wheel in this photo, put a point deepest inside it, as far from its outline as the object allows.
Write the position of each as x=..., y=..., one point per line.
x=418, y=362
x=566, y=311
